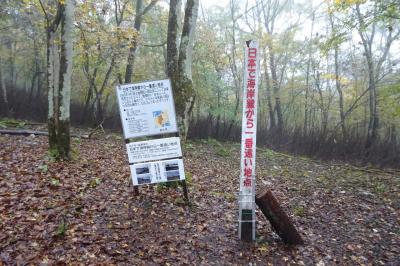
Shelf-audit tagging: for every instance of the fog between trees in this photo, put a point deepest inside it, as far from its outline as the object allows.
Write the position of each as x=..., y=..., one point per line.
x=330, y=83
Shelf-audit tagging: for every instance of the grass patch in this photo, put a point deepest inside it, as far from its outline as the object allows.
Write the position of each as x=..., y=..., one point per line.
x=223, y=152
x=94, y=182
x=43, y=168
x=61, y=229
x=226, y=195
x=299, y=211
x=54, y=182
x=380, y=188
x=188, y=145
x=269, y=153
x=8, y=122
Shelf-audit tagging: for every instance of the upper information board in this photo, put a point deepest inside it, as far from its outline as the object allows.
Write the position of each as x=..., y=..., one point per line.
x=147, y=108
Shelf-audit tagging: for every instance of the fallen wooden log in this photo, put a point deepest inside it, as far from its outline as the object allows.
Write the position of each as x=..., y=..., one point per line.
x=26, y=132
x=280, y=222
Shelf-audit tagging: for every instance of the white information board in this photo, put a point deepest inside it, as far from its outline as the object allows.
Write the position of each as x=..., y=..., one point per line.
x=147, y=108
x=155, y=172
x=154, y=150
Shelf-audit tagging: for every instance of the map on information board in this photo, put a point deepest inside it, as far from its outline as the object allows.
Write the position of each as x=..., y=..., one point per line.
x=147, y=108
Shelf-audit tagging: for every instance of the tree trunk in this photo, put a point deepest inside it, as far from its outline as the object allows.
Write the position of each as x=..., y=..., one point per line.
x=306, y=106
x=52, y=87
x=372, y=132
x=64, y=95
x=219, y=114
x=172, y=38
x=140, y=12
x=340, y=92
x=337, y=83
x=234, y=70
x=276, y=90
x=59, y=70
x=13, y=71
x=179, y=63
x=134, y=45
x=99, y=107
x=4, y=99
x=268, y=90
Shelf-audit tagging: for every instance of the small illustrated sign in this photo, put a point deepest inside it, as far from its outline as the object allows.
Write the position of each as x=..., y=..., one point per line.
x=156, y=149
x=155, y=172
x=147, y=108
x=248, y=145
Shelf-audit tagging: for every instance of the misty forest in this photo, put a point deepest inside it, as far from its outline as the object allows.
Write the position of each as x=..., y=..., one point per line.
x=327, y=128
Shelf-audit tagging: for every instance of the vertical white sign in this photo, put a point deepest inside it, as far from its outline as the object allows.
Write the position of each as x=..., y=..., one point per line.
x=249, y=132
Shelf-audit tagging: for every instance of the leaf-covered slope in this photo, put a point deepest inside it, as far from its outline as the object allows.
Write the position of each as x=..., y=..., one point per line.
x=84, y=211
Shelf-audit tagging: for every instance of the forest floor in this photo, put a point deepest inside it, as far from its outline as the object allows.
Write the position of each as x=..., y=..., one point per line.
x=83, y=211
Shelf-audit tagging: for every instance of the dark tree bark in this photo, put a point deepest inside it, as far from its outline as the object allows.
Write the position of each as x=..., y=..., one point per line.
x=172, y=38
x=268, y=93
x=235, y=73
x=374, y=71
x=4, y=100
x=179, y=61
x=140, y=12
x=59, y=77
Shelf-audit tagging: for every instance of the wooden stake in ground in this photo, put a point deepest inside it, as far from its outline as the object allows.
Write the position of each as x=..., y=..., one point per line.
x=278, y=218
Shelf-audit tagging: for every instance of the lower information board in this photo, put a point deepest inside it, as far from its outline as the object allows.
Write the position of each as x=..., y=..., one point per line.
x=154, y=150
x=155, y=172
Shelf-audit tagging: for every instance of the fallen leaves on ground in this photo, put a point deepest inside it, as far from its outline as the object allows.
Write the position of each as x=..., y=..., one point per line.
x=83, y=211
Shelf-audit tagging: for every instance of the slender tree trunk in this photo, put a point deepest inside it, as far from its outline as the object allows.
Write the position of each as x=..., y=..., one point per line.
x=324, y=111
x=276, y=89
x=52, y=88
x=337, y=83
x=64, y=95
x=172, y=39
x=134, y=45
x=268, y=90
x=306, y=104
x=13, y=70
x=340, y=92
x=4, y=98
x=140, y=12
x=236, y=76
x=99, y=93
x=367, y=41
x=179, y=63
x=372, y=132
x=219, y=115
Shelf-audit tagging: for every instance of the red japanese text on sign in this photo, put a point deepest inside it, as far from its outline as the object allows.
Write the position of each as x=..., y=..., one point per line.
x=249, y=122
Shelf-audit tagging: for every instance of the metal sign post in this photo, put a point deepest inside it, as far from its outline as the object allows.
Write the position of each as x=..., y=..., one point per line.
x=247, y=217
x=147, y=109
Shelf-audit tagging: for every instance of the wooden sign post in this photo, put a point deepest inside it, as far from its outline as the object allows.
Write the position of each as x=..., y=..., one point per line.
x=247, y=217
